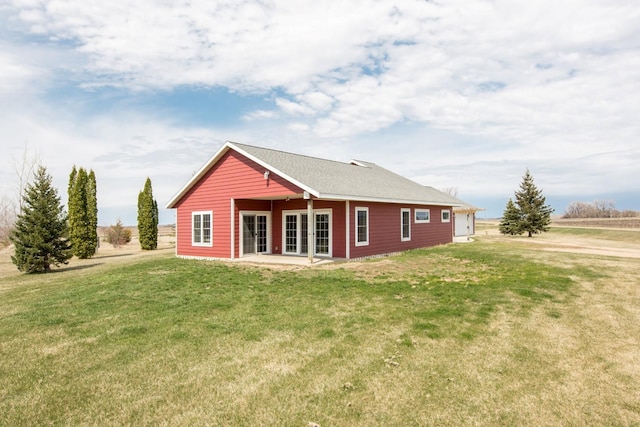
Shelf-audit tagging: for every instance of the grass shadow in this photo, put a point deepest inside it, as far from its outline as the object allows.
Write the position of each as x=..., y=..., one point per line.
x=76, y=267
x=113, y=256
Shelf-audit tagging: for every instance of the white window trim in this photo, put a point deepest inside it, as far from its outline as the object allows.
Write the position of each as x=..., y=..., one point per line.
x=422, y=221
x=201, y=213
x=366, y=242
x=402, y=236
x=442, y=212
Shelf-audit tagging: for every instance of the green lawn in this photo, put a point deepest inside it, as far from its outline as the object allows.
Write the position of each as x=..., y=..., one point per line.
x=475, y=333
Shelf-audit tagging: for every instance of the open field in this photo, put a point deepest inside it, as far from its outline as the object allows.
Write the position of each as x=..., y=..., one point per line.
x=500, y=331
x=633, y=222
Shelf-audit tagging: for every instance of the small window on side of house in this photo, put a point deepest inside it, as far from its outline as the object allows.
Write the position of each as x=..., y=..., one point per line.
x=422, y=216
x=201, y=228
x=446, y=215
x=362, y=226
x=405, y=224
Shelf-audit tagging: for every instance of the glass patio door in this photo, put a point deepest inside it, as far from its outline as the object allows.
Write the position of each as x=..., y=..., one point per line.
x=254, y=234
x=296, y=237
x=322, y=233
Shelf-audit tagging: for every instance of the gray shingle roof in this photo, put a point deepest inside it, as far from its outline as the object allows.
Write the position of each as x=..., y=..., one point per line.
x=354, y=180
x=466, y=207
x=328, y=179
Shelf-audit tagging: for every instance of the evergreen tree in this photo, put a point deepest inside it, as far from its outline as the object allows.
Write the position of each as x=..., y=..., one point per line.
x=510, y=223
x=72, y=183
x=83, y=218
x=529, y=213
x=535, y=215
x=40, y=229
x=92, y=208
x=147, y=218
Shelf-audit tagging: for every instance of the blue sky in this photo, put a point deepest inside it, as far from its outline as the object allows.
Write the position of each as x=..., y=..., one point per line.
x=450, y=94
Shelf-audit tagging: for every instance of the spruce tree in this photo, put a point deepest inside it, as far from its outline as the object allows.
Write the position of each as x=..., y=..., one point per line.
x=529, y=213
x=510, y=222
x=535, y=215
x=147, y=218
x=40, y=229
x=83, y=220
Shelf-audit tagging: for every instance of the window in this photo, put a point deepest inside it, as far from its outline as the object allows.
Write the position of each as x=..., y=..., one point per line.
x=201, y=225
x=446, y=215
x=362, y=226
x=405, y=224
x=422, y=216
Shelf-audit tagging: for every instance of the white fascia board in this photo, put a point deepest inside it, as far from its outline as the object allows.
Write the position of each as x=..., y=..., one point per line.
x=274, y=170
x=197, y=176
x=383, y=200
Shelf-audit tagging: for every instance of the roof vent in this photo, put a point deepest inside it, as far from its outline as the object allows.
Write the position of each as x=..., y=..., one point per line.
x=358, y=163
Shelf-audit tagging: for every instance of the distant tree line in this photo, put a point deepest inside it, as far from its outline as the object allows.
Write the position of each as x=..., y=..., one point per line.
x=597, y=209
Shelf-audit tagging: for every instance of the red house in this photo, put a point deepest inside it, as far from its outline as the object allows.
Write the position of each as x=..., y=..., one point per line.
x=249, y=200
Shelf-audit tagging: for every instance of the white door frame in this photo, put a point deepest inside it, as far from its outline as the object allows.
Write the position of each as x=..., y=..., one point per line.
x=241, y=216
x=299, y=213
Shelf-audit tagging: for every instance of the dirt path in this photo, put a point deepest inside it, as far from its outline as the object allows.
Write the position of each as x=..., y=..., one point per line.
x=574, y=244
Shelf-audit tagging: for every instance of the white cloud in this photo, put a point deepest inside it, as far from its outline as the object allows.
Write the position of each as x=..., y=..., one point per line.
x=123, y=149
x=293, y=108
x=14, y=75
x=485, y=88
x=299, y=127
x=261, y=115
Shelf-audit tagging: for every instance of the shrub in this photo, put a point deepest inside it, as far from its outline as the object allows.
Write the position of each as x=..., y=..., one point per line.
x=118, y=235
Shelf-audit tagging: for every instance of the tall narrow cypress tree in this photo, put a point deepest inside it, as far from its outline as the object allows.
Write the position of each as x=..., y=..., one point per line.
x=71, y=208
x=92, y=208
x=147, y=218
x=83, y=220
x=40, y=229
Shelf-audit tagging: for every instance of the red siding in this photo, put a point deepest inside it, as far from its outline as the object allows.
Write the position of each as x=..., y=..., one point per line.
x=233, y=176
x=385, y=231
x=236, y=177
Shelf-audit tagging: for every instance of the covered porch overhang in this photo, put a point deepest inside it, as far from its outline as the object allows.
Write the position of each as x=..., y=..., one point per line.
x=268, y=257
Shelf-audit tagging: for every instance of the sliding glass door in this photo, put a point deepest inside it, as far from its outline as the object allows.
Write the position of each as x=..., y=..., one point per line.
x=255, y=233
